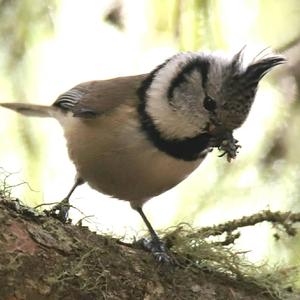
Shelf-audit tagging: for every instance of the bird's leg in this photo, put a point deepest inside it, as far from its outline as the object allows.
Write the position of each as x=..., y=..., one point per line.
x=155, y=245
x=61, y=210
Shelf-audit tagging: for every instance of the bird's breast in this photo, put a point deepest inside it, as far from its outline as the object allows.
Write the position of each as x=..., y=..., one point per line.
x=113, y=155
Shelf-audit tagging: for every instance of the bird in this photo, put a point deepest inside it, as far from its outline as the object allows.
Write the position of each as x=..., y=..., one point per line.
x=135, y=137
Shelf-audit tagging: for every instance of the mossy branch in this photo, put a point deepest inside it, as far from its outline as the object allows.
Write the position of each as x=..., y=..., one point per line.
x=71, y=260
x=286, y=220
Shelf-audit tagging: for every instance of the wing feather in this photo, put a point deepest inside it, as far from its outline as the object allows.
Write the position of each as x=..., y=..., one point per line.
x=94, y=98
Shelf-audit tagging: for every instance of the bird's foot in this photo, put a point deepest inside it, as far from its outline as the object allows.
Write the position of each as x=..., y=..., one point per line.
x=157, y=248
x=60, y=211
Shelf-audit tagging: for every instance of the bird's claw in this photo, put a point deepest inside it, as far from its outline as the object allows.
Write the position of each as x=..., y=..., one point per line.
x=157, y=248
x=60, y=211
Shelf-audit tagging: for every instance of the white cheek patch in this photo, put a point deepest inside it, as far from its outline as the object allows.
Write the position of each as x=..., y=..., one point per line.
x=172, y=124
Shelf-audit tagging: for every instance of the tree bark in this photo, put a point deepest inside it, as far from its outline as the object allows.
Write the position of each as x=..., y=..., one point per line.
x=42, y=258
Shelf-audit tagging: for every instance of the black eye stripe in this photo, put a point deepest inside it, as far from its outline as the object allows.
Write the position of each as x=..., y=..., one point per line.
x=200, y=64
x=209, y=103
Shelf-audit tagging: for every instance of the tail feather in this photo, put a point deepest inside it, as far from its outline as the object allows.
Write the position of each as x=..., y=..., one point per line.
x=30, y=109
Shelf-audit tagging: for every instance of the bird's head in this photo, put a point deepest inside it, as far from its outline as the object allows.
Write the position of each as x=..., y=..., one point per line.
x=199, y=93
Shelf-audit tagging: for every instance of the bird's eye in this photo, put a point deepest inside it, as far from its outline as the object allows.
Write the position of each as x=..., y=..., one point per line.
x=209, y=104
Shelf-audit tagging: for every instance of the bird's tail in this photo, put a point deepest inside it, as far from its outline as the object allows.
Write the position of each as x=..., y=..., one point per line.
x=30, y=109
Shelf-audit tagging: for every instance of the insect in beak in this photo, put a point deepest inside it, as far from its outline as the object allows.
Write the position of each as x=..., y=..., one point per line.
x=224, y=141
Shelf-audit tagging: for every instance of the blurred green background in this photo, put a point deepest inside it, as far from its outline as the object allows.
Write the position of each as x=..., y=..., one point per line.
x=46, y=47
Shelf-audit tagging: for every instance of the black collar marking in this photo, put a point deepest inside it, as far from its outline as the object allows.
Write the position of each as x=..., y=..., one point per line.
x=188, y=149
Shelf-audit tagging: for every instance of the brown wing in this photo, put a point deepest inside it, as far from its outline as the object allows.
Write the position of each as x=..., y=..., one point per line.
x=93, y=98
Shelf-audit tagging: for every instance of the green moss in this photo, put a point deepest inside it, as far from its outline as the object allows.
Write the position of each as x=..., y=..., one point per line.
x=197, y=249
